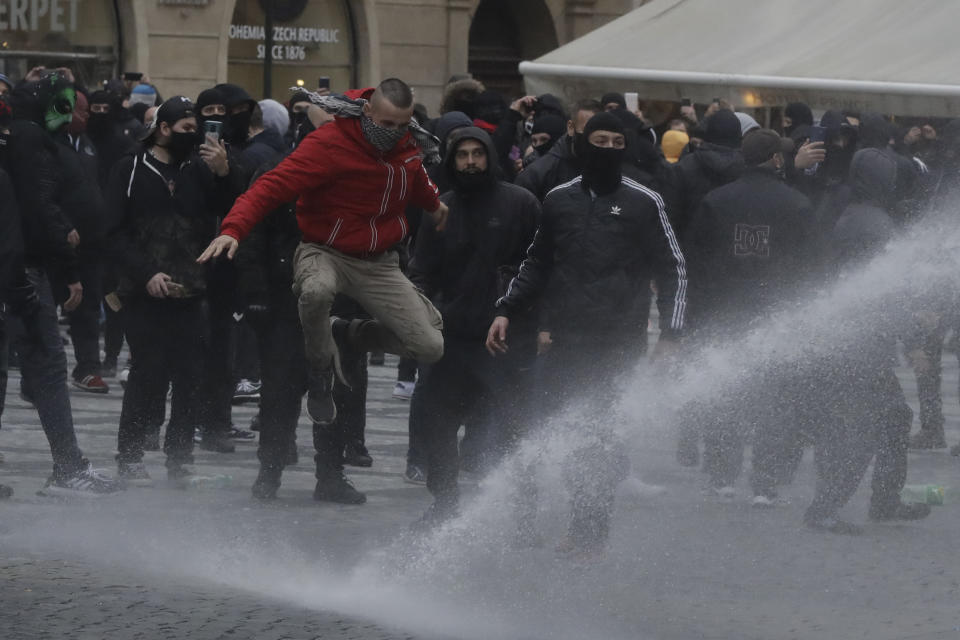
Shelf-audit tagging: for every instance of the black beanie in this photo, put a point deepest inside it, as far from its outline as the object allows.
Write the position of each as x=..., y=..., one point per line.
x=550, y=123
x=208, y=97
x=799, y=114
x=616, y=98
x=723, y=128
x=604, y=121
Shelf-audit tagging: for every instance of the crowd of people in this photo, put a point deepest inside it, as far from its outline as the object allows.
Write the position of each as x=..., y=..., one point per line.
x=509, y=252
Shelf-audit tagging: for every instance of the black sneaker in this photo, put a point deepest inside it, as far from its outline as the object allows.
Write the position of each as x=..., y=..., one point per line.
x=336, y=488
x=355, y=454
x=899, y=511
x=267, y=483
x=320, y=406
x=833, y=525
x=246, y=391
x=109, y=369
x=415, y=474
x=134, y=473
x=85, y=483
x=928, y=439
x=217, y=442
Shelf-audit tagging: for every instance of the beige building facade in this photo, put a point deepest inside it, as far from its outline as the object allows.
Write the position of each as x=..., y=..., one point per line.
x=184, y=46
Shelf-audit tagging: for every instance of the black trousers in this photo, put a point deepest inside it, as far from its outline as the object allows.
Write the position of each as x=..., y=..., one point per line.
x=283, y=371
x=929, y=373
x=85, y=319
x=586, y=371
x=465, y=387
x=216, y=406
x=351, y=423
x=166, y=338
x=43, y=365
x=870, y=418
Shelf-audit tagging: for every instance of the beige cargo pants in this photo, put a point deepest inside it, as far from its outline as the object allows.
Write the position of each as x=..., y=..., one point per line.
x=406, y=323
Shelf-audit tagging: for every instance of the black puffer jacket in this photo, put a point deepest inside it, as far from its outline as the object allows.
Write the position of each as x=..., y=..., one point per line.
x=11, y=240
x=464, y=268
x=159, y=229
x=590, y=259
x=750, y=246
x=697, y=174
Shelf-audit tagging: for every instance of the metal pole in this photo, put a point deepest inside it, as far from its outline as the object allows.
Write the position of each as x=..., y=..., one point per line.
x=268, y=55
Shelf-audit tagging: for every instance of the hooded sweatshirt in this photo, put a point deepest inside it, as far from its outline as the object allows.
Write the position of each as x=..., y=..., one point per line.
x=466, y=267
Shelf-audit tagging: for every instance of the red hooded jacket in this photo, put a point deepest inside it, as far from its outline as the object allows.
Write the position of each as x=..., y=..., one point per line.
x=350, y=196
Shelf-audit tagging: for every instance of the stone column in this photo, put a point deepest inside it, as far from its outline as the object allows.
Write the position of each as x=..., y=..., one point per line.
x=458, y=36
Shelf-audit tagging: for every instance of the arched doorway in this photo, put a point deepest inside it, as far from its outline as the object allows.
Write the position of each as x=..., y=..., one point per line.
x=504, y=32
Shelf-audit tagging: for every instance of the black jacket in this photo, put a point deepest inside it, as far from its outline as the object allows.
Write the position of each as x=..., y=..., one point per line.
x=34, y=169
x=590, y=259
x=464, y=268
x=159, y=229
x=749, y=247
x=111, y=144
x=11, y=240
x=80, y=196
x=697, y=174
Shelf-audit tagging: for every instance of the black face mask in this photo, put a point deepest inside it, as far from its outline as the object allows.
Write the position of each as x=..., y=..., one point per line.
x=236, y=129
x=182, y=143
x=302, y=127
x=602, y=168
x=471, y=181
x=543, y=149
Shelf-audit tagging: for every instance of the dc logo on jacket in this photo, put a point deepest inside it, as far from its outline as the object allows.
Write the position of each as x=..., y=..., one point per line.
x=751, y=241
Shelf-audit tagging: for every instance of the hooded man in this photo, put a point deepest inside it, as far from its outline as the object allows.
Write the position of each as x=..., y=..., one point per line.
x=547, y=130
x=600, y=236
x=858, y=382
x=462, y=270
x=716, y=162
x=797, y=120
x=354, y=180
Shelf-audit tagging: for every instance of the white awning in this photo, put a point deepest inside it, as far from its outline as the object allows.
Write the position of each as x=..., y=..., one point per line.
x=891, y=56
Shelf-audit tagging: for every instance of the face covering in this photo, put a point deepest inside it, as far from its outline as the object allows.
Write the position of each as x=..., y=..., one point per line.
x=182, y=143
x=60, y=110
x=471, y=180
x=601, y=168
x=236, y=129
x=380, y=137
x=543, y=149
x=302, y=127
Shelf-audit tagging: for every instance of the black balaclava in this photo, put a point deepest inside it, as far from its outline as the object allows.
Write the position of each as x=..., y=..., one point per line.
x=551, y=124
x=300, y=124
x=616, y=98
x=236, y=129
x=602, y=166
x=205, y=99
x=799, y=114
x=99, y=124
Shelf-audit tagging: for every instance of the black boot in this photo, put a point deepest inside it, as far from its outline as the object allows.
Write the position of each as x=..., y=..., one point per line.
x=355, y=454
x=267, y=483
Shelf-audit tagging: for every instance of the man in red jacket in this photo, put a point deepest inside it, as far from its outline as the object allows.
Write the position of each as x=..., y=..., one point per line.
x=352, y=180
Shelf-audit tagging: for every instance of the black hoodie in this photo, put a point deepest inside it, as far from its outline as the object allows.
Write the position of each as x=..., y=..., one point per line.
x=464, y=268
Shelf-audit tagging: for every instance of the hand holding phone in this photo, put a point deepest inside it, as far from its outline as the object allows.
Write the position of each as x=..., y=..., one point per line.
x=213, y=128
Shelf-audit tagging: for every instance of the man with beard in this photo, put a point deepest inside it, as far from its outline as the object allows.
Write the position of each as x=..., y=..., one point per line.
x=164, y=200
x=599, y=237
x=354, y=180
x=461, y=270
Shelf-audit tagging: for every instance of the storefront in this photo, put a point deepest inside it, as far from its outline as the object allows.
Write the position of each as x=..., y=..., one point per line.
x=309, y=40
x=80, y=34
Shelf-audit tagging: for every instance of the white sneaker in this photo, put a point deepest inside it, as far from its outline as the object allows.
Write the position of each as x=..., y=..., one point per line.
x=85, y=483
x=404, y=390
x=766, y=502
x=123, y=377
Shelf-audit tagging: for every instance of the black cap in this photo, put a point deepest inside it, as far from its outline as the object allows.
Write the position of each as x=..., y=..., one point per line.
x=723, y=128
x=172, y=111
x=760, y=145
